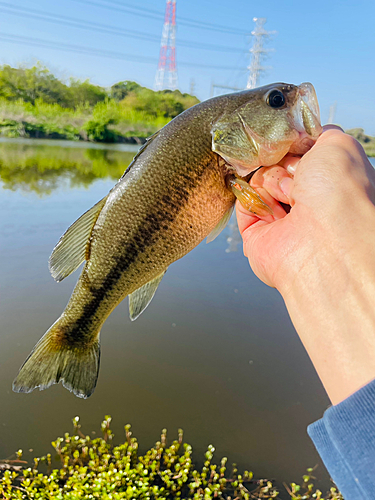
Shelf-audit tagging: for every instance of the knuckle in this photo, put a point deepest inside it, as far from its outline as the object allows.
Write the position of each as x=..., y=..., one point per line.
x=350, y=143
x=341, y=144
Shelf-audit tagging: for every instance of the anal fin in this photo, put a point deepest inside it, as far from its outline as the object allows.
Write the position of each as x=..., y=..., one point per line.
x=70, y=251
x=140, y=299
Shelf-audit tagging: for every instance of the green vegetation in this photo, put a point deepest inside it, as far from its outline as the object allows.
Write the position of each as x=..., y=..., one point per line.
x=34, y=103
x=96, y=468
x=367, y=141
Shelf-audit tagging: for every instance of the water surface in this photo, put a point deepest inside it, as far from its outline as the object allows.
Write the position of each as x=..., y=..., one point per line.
x=215, y=353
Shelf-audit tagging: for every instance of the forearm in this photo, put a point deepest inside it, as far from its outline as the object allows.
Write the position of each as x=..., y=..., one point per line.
x=331, y=301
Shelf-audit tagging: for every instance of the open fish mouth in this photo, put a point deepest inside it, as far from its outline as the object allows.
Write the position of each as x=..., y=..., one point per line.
x=306, y=119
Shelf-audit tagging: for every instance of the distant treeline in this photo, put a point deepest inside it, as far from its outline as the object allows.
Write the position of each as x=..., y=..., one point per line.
x=34, y=103
x=367, y=141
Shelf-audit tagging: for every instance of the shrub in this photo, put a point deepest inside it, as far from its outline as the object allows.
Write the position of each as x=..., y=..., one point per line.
x=34, y=103
x=98, y=131
x=96, y=468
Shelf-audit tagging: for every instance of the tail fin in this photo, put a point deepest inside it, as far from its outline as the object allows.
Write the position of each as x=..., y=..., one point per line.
x=52, y=361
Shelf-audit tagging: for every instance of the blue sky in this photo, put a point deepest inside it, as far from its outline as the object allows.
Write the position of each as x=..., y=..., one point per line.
x=329, y=43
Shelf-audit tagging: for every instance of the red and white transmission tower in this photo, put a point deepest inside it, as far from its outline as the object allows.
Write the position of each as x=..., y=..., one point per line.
x=167, y=58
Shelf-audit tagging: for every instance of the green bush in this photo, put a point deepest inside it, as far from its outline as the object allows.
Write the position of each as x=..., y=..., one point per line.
x=34, y=103
x=30, y=84
x=96, y=468
x=12, y=128
x=367, y=141
x=98, y=131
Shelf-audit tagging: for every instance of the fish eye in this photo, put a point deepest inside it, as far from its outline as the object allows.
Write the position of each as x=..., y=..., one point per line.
x=276, y=99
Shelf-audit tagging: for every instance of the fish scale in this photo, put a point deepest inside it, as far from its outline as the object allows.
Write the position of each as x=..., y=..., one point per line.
x=179, y=189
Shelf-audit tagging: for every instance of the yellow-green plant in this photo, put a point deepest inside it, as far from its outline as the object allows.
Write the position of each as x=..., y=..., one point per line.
x=96, y=468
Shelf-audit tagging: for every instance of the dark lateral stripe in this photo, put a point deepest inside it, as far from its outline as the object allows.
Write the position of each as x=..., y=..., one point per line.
x=162, y=213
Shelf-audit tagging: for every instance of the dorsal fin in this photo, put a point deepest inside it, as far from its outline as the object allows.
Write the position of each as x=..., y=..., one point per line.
x=140, y=151
x=140, y=299
x=220, y=225
x=70, y=251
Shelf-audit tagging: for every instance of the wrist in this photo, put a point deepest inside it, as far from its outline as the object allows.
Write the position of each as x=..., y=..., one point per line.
x=330, y=296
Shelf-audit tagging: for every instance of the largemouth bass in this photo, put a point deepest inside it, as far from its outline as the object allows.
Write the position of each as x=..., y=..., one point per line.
x=179, y=189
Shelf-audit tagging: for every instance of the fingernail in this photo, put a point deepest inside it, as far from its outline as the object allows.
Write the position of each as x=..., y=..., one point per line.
x=286, y=186
x=292, y=168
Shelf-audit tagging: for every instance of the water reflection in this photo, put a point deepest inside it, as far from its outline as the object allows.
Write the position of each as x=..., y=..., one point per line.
x=215, y=352
x=43, y=168
x=234, y=238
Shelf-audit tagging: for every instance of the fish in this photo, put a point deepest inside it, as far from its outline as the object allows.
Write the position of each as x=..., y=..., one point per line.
x=179, y=189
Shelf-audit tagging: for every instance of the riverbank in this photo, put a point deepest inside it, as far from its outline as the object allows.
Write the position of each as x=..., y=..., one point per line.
x=367, y=142
x=26, y=130
x=81, y=130
x=106, y=122
x=36, y=104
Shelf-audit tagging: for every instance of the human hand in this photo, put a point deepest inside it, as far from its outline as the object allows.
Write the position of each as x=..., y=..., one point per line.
x=321, y=255
x=332, y=185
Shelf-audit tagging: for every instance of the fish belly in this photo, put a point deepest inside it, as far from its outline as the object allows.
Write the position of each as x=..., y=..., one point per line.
x=133, y=243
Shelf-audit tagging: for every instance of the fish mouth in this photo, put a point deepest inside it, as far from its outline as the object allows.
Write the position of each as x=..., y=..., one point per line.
x=306, y=119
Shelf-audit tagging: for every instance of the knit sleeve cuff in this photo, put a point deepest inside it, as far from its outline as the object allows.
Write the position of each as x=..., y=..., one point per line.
x=345, y=440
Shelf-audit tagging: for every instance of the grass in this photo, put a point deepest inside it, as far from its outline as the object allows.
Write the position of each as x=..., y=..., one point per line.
x=108, y=121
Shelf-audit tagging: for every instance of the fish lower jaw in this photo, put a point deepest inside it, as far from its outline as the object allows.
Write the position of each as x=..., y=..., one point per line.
x=237, y=167
x=243, y=171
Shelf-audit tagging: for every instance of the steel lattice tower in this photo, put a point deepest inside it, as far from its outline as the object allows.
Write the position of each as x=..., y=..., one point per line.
x=257, y=52
x=167, y=59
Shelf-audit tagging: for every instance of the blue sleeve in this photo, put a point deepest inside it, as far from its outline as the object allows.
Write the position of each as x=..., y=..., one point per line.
x=345, y=440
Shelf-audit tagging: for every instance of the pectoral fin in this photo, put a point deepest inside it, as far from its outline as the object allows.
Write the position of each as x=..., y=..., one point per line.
x=140, y=299
x=70, y=251
x=249, y=198
x=220, y=226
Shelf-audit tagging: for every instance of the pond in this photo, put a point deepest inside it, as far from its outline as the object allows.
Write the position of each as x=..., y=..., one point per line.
x=215, y=353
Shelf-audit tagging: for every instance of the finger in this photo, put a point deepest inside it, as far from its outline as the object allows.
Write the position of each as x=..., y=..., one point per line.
x=329, y=131
x=246, y=219
x=249, y=198
x=286, y=187
x=329, y=126
x=278, y=211
x=290, y=162
x=269, y=179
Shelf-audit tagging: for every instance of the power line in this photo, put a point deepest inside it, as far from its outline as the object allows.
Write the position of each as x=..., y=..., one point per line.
x=73, y=48
x=182, y=20
x=103, y=28
x=70, y=21
x=97, y=52
x=152, y=14
x=134, y=7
